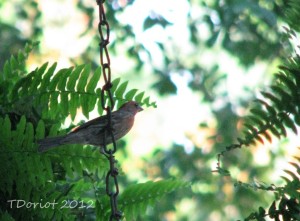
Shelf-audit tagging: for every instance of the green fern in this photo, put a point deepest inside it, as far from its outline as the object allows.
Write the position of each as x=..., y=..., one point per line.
x=13, y=69
x=293, y=14
x=25, y=172
x=279, y=109
x=287, y=203
x=273, y=115
x=276, y=112
x=35, y=105
x=67, y=90
x=53, y=95
x=135, y=198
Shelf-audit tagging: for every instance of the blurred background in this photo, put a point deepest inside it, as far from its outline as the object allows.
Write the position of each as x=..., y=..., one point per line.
x=201, y=61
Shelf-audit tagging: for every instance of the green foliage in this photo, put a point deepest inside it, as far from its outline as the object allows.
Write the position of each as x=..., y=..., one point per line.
x=292, y=14
x=135, y=198
x=287, y=204
x=244, y=26
x=67, y=183
x=279, y=109
x=247, y=30
x=273, y=115
x=63, y=92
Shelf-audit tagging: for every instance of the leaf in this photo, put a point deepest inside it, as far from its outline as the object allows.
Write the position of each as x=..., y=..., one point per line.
x=138, y=98
x=274, y=131
x=121, y=89
x=115, y=84
x=73, y=104
x=256, y=121
x=46, y=78
x=259, y=113
x=130, y=94
x=297, y=119
x=6, y=70
x=102, y=212
x=285, y=97
x=48, y=168
x=40, y=129
x=13, y=63
x=282, y=203
x=288, y=122
x=293, y=175
x=19, y=137
x=296, y=166
x=61, y=85
x=135, y=198
x=6, y=130
x=67, y=166
x=84, y=102
x=82, y=82
x=249, y=139
x=271, y=110
x=21, y=57
x=28, y=142
x=21, y=86
x=289, y=83
x=64, y=102
x=94, y=81
x=259, y=138
x=37, y=78
x=267, y=136
x=294, y=71
x=272, y=210
x=287, y=180
x=54, y=81
x=92, y=102
x=271, y=97
x=251, y=128
x=74, y=77
x=54, y=102
x=280, y=125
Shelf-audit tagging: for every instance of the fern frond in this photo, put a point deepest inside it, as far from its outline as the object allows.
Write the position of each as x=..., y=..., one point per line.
x=280, y=107
x=58, y=95
x=287, y=201
x=31, y=176
x=15, y=66
x=135, y=198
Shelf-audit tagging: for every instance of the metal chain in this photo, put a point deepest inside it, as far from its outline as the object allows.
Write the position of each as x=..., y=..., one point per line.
x=112, y=187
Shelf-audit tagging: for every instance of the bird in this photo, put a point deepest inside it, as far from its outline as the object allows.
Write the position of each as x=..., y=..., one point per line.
x=92, y=132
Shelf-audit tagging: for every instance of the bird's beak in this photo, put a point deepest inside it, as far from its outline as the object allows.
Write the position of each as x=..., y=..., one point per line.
x=140, y=108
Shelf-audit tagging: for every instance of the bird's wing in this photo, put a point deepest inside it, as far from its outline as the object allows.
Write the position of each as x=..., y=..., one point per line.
x=100, y=122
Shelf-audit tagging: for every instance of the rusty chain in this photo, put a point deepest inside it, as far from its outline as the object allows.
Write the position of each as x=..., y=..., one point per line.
x=112, y=187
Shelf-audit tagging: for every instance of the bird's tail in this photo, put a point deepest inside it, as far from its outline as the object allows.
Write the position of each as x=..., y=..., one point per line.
x=50, y=142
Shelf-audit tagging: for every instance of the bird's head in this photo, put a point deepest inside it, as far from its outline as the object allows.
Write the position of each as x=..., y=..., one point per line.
x=132, y=107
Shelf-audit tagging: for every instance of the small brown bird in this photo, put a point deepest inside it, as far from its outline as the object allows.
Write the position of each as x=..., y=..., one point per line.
x=92, y=132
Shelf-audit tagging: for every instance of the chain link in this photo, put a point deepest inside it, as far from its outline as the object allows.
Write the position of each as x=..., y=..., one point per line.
x=112, y=187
